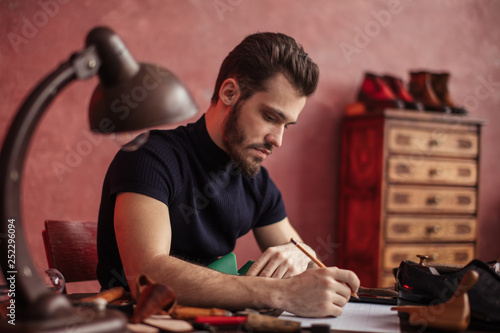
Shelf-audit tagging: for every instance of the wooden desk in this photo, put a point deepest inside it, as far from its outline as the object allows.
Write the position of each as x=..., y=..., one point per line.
x=402, y=324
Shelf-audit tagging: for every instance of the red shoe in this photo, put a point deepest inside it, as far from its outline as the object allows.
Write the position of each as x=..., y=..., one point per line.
x=376, y=95
x=396, y=85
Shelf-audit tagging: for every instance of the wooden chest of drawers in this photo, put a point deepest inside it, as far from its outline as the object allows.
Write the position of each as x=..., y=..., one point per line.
x=408, y=186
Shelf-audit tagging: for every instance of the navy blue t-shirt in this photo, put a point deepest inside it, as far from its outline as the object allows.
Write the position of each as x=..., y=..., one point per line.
x=210, y=203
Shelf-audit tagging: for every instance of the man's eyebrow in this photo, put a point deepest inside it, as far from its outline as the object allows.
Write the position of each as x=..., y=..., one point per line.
x=279, y=113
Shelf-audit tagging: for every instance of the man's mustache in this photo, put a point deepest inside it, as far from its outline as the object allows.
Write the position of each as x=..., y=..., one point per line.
x=266, y=146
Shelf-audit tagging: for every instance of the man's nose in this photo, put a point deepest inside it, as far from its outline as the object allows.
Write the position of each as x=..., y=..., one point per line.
x=275, y=137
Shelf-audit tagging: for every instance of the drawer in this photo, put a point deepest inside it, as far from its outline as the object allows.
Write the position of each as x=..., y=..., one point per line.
x=387, y=280
x=421, y=199
x=453, y=254
x=418, y=228
x=432, y=142
x=408, y=169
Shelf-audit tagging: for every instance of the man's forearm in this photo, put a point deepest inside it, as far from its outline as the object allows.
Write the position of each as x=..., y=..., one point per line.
x=313, y=293
x=203, y=287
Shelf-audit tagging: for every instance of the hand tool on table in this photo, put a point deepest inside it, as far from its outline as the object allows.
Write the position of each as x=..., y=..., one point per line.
x=188, y=312
x=253, y=322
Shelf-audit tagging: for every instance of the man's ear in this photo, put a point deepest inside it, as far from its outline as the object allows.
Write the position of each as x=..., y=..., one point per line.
x=229, y=92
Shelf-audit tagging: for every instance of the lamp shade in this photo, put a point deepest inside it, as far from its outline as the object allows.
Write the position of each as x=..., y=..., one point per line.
x=133, y=96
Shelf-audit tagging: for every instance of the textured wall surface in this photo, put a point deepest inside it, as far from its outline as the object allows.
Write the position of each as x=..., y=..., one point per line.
x=66, y=165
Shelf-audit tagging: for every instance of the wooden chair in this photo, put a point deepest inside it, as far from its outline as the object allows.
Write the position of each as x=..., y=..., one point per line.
x=71, y=248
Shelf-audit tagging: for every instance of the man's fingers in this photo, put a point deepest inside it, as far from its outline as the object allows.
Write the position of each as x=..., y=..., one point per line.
x=279, y=262
x=259, y=266
x=345, y=291
x=267, y=269
x=265, y=265
x=254, y=270
x=347, y=277
x=271, y=270
x=340, y=300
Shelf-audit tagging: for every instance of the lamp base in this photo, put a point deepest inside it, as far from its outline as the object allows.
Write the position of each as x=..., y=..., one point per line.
x=84, y=320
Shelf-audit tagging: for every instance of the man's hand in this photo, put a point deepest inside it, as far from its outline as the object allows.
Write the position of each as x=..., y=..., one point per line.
x=318, y=292
x=282, y=261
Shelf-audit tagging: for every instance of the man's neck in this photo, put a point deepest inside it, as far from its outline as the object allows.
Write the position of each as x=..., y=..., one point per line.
x=214, y=118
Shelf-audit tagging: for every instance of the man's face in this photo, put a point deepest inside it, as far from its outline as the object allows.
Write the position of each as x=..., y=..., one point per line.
x=255, y=126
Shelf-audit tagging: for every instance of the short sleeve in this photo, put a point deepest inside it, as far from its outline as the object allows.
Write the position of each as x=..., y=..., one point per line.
x=142, y=172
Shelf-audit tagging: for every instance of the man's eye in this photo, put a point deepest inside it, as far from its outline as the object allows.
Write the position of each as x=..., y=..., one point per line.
x=268, y=117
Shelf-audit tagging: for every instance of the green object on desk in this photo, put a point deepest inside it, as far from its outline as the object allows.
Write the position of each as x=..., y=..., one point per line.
x=227, y=264
x=244, y=269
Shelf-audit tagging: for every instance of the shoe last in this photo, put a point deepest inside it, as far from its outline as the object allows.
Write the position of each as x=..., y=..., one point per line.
x=419, y=284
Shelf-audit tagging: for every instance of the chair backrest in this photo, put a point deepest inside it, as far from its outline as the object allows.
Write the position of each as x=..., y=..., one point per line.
x=71, y=248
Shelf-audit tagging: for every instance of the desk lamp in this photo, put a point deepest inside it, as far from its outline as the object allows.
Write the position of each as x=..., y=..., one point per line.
x=158, y=98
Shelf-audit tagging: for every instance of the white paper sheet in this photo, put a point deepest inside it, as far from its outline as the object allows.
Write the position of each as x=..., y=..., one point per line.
x=365, y=317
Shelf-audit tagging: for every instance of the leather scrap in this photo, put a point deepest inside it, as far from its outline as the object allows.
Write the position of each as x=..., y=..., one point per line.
x=152, y=298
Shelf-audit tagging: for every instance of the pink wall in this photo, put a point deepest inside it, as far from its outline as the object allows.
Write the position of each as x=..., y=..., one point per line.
x=192, y=37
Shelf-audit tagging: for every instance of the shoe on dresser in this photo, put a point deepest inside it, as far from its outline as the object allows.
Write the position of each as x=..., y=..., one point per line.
x=439, y=82
x=375, y=94
x=420, y=87
x=397, y=87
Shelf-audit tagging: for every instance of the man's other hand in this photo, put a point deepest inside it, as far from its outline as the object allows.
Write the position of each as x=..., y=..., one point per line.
x=282, y=261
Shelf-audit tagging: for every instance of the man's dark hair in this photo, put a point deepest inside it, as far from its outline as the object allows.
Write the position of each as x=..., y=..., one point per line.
x=262, y=55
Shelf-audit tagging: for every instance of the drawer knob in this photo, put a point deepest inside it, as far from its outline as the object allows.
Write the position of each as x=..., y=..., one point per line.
x=435, y=172
x=434, y=200
x=433, y=229
x=434, y=143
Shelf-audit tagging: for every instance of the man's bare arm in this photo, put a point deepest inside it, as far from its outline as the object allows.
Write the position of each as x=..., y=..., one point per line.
x=275, y=234
x=280, y=258
x=143, y=233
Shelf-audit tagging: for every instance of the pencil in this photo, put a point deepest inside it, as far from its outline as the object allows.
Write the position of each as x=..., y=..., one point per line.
x=316, y=261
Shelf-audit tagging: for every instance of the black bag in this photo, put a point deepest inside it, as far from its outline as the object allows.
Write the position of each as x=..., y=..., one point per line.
x=425, y=285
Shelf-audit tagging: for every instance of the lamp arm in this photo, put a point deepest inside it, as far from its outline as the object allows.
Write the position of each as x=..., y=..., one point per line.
x=15, y=259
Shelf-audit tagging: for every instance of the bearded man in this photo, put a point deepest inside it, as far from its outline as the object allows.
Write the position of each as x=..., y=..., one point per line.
x=182, y=200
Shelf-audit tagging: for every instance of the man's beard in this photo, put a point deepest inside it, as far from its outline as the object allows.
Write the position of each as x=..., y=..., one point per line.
x=233, y=138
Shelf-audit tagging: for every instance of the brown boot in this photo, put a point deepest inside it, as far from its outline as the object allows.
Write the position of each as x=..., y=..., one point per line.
x=439, y=82
x=420, y=87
